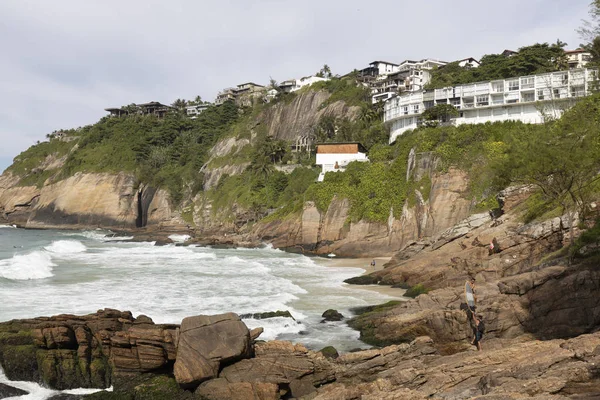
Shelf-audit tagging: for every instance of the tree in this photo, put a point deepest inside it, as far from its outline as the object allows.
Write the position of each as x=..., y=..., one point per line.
x=324, y=72
x=590, y=29
x=439, y=113
x=179, y=104
x=562, y=160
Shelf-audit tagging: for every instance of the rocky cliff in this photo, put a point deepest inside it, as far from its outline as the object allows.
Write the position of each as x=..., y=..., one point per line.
x=85, y=200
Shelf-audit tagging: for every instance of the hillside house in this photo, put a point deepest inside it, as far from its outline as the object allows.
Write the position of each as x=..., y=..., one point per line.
x=469, y=62
x=409, y=76
x=293, y=85
x=335, y=157
x=529, y=99
x=225, y=95
x=195, y=110
x=150, y=108
x=578, y=58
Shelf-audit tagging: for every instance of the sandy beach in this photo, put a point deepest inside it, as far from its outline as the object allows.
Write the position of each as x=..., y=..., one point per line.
x=365, y=263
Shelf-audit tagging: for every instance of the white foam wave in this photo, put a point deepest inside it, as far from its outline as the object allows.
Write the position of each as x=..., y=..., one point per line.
x=275, y=327
x=100, y=235
x=35, y=265
x=8, y=226
x=179, y=238
x=66, y=247
x=37, y=392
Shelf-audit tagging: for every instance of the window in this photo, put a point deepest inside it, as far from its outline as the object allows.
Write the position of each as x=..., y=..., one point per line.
x=528, y=83
x=405, y=110
x=512, y=101
x=541, y=94
x=513, y=85
x=528, y=97
x=483, y=100
x=556, y=93
x=416, y=108
x=428, y=104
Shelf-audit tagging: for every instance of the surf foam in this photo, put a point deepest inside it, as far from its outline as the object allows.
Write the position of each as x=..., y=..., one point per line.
x=66, y=247
x=35, y=265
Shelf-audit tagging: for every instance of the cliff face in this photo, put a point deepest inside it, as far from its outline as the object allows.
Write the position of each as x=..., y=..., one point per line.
x=84, y=200
x=290, y=121
x=331, y=232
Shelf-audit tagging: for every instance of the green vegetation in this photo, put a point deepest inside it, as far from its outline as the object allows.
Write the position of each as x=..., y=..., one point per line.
x=162, y=152
x=28, y=165
x=530, y=60
x=415, y=291
x=347, y=90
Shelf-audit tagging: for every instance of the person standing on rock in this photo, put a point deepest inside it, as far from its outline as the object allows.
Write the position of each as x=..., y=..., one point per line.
x=479, y=329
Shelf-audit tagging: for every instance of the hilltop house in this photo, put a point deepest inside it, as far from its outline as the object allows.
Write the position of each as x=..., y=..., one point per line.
x=195, y=110
x=292, y=85
x=335, y=157
x=527, y=98
x=469, y=62
x=242, y=94
x=408, y=76
x=578, y=58
x=151, y=108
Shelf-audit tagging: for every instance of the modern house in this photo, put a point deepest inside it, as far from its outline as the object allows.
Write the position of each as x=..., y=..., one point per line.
x=292, y=85
x=528, y=99
x=151, y=108
x=578, y=58
x=378, y=68
x=469, y=62
x=408, y=76
x=335, y=157
x=195, y=110
x=224, y=95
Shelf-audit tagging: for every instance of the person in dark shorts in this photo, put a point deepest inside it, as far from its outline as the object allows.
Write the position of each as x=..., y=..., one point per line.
x=478, y=332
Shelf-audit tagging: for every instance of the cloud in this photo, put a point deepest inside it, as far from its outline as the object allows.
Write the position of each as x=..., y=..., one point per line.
x=65, y=61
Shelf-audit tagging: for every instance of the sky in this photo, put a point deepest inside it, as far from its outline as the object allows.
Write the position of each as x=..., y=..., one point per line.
x=63, y=61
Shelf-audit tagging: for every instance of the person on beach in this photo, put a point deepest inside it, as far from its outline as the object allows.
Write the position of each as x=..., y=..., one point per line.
x=373, y=264
x=478, y=332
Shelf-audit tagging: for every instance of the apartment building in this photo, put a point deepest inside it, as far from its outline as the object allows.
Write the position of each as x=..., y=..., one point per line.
x=527, y=98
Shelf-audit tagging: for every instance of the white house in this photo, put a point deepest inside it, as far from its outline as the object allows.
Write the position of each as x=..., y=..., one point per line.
x=195, y=110
x=578, y=58
x=527, y=98
x=292, y=85
x=335, y=157
x=469, y=62
x=408, y=76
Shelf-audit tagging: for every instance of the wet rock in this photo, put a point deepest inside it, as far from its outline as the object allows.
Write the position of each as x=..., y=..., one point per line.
x=332, y=315
x=363, y=280
x=9, y=391
x=269, y=314
x=207, y=342
x=329, y=352
x=255, y=333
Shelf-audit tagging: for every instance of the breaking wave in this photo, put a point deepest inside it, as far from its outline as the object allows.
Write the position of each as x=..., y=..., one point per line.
x=34, y=265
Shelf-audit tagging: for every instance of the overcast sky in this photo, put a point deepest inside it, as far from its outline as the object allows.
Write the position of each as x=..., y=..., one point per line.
x=63, y=61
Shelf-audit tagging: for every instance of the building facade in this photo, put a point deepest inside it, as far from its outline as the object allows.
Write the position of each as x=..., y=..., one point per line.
x=195, y=110
x=578, y=58
x=335, y=157
x=408, y=76
x=529, y=99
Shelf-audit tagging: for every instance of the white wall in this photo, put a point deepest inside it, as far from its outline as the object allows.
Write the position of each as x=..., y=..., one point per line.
x=327, y=161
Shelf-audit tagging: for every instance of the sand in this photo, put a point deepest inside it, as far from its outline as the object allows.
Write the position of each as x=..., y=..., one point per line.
x=365, y=263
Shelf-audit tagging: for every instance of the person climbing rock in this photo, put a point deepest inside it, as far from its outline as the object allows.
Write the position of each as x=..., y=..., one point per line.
x=478, y=332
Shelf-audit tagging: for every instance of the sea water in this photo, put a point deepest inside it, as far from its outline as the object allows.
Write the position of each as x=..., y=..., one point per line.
x=49, y=272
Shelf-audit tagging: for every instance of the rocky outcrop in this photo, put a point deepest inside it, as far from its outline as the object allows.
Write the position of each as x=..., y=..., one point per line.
x=332, y=232
x=302, y=114
x=206, y=343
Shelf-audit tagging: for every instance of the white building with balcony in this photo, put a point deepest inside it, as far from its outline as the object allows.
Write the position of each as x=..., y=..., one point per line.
x=409, y=76
x=527, y=98
x=578, y=58
x=334, y=157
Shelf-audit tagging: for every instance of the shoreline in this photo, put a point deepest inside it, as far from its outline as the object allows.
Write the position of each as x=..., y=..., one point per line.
x=365, y=264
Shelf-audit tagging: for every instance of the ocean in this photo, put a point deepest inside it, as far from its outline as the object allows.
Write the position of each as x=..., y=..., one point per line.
x=49, y=272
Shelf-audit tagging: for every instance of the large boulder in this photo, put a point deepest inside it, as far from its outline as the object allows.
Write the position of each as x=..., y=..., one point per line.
x=208, y=342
